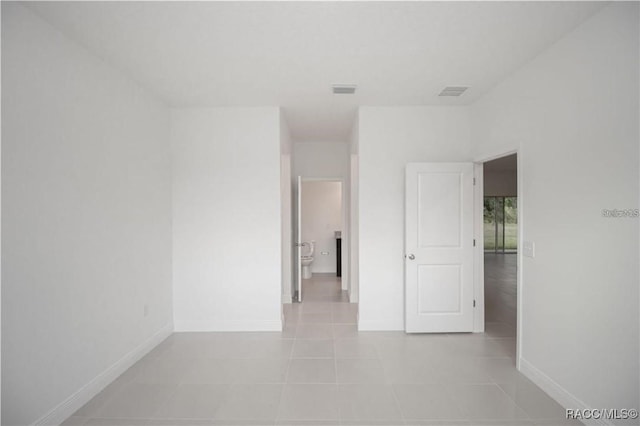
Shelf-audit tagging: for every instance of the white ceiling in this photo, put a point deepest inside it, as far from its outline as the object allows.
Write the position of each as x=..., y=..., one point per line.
x=290, y=53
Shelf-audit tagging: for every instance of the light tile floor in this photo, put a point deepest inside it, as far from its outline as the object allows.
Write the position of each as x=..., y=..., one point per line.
x=500, y=288
x=321, y=371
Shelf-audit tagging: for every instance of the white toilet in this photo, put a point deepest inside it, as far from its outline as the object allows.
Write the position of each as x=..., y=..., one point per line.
x=307, y=259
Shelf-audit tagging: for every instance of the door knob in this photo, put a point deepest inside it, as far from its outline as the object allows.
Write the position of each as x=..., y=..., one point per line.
x=411, y=257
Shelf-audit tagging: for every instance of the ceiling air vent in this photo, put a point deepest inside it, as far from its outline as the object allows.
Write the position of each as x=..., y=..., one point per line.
x=344, y=89
x=453, y=91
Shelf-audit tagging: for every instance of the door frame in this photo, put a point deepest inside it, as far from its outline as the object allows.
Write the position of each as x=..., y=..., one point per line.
x=346, y=233
x=479, y=318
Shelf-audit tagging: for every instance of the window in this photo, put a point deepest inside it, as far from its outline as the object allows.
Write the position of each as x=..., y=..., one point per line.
x=501, y=224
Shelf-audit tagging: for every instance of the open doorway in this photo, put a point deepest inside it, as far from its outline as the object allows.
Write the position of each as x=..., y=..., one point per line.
x=320, y=301
x=320, y=241
x=500, y=229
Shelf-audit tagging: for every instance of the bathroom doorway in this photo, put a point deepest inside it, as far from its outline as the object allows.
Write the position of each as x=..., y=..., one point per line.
x=320, y=309
x=319, y=230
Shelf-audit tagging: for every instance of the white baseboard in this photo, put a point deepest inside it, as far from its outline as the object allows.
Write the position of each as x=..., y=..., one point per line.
x=60, y=413
x=184, y=326
x=562, y=396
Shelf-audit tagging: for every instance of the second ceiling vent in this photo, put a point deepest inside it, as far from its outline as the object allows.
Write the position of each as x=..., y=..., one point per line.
x=453, y=91
x=343, y=89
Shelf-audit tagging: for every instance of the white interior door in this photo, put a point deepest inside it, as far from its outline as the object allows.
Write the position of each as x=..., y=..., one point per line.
x=298, y=250
x=439, y=248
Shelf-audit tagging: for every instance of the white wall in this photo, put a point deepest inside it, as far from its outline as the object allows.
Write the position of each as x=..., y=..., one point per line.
x=321, y=159
x=390, y=137
x=286, y=211
x=573, y=114
x=86, y=240
x=354, y=222
x=0, y=240
x=500, y=184
x=322, y=216
x=226, y=219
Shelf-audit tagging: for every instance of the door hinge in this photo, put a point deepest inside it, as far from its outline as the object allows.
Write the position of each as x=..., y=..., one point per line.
x=474, y=181
x=474, y=303
x=474, y=242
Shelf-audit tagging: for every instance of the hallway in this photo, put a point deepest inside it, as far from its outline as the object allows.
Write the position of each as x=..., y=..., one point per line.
x=500, y=292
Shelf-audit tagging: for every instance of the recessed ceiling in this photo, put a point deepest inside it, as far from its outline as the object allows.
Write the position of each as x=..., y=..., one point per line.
x=289, y=53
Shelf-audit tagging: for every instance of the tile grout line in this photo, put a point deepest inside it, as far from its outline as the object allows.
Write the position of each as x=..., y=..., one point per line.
x=515, y=403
